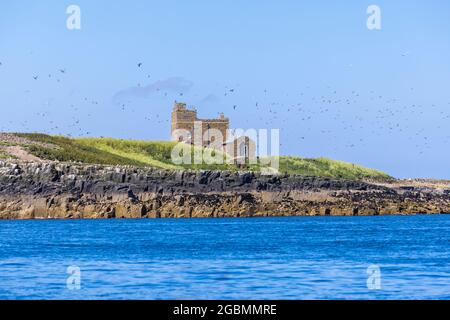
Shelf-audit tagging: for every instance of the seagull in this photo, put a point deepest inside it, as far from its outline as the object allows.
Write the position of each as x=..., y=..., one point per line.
x=62, y=70
x=35, y=77
x=139, y=64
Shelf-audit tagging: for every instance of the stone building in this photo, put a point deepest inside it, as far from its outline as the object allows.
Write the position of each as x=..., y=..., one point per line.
x=241, y=148
x=183, y=118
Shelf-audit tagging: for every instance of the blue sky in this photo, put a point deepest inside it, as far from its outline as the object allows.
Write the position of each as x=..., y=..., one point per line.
x=379, y=98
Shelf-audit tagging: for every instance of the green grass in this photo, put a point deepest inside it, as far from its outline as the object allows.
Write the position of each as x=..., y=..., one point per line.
x=66, y=149
x=158, y=154
x=3, y=155
x=329, y=168
x=150, y=153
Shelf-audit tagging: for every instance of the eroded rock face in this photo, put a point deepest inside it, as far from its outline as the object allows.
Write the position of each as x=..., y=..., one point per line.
x=59, y=190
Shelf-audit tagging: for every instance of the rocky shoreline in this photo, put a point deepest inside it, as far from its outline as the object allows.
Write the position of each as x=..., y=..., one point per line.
x=50, y=190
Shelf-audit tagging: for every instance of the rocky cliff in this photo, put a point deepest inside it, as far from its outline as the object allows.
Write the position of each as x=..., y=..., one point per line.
x=58, y=190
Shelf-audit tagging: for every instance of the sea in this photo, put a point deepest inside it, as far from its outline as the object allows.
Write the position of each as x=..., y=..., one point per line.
x=293, y=258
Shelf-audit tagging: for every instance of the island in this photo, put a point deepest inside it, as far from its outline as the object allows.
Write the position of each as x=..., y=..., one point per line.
x=56, y=177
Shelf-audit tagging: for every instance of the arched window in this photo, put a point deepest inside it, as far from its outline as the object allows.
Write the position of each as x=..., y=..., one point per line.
x=243, y=149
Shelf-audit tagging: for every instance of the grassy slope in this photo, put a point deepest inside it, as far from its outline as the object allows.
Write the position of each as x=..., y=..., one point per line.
x=3, y=155
x=158, y=154
x=329, y=168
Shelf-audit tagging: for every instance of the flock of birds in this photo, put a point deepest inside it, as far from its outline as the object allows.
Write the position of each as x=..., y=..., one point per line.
x=345, y=119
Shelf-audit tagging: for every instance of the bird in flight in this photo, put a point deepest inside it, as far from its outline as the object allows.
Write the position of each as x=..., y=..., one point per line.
x=140, y=64
x=35, y=77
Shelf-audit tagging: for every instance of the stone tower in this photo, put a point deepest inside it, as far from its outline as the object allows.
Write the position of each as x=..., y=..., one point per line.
x=184, y=118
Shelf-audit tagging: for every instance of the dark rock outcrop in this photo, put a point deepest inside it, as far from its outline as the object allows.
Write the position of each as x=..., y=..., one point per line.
x=61, y=190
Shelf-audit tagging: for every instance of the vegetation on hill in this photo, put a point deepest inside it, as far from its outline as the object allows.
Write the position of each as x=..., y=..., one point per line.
x=3, y=155
x=329, y=168
x=158, y=154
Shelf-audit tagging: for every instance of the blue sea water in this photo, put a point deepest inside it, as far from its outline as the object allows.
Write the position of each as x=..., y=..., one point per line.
x=267, y=258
